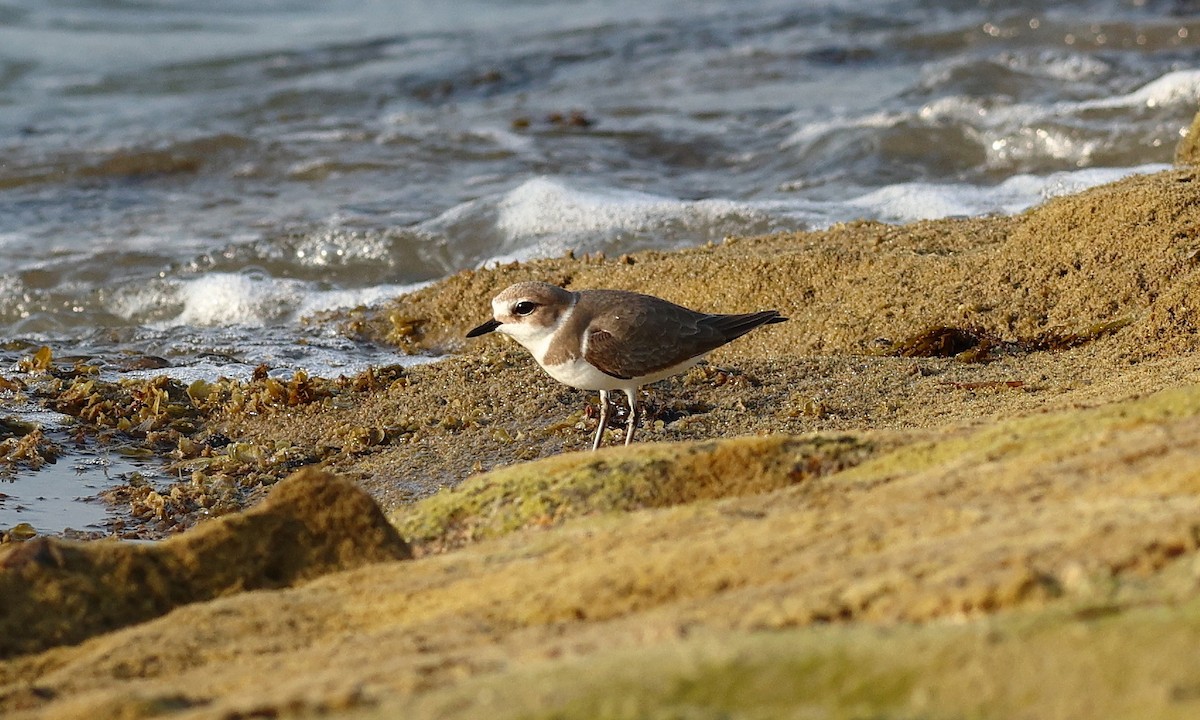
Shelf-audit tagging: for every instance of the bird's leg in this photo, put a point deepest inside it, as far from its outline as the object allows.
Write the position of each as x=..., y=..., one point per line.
x=603, y=419
x=635, y=415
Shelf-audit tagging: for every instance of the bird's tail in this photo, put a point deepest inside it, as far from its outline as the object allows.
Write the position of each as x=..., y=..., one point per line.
x=735, y=326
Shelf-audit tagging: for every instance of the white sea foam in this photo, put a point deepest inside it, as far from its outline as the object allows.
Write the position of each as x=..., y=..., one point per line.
x=508, y=140
x=542, y=217
x=1057, y=64
x=812, y=131
x=547, y=216
x=543, y=206
x=908, y=202
x=318, y=301
x=1013, y=133
x=1174, y=88
x=242, y=299
x=234, y=299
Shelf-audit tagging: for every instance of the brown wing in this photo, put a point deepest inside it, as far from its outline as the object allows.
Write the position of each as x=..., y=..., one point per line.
x=657, y=334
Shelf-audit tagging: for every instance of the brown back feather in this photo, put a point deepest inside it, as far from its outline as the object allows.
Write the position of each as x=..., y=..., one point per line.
x=660, y=334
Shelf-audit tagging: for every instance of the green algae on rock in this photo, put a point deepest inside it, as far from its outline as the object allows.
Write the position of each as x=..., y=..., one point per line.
x=1057, y=664
x=1036, y=442
x=59, y=592
x=548, y=491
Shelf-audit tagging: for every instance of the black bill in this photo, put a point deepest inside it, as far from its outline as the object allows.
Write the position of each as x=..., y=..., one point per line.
x=485, y=328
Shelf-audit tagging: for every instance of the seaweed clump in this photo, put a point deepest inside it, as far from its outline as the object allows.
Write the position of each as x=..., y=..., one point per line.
x=974, y=345
x=25, y=445
x=161, y=417
x=967, y=345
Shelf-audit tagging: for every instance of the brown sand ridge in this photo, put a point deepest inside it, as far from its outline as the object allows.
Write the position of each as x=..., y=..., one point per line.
x=841, y=526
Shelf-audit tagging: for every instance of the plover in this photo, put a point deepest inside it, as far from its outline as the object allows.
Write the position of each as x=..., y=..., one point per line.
x=610, y=340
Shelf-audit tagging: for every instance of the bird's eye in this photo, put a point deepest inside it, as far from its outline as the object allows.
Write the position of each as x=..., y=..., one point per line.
x=525, y=307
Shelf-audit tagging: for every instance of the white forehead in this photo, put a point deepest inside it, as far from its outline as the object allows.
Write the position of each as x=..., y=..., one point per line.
x=538, y=292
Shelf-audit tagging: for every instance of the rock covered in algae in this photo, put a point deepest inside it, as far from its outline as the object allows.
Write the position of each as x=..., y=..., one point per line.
x=548, y=491
x=58, y=592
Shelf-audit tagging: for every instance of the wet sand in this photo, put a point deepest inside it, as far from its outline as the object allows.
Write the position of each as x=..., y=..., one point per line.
x=960, y=481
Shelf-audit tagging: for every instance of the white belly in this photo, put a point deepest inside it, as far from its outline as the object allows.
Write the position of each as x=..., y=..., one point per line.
x=582, y=375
